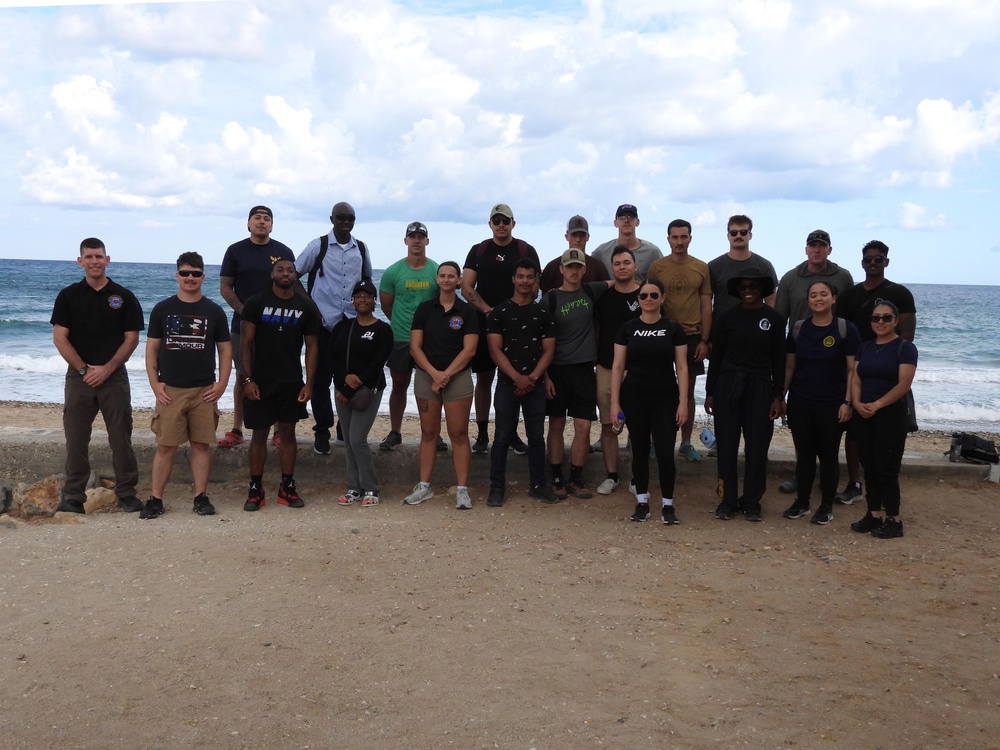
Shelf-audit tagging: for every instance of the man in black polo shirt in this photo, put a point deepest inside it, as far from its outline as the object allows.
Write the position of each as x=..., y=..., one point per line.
x=95, y=327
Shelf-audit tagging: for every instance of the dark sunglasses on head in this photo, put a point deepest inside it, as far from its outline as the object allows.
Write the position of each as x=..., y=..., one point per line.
x=195, y=274
x=345, y=217
x=649, y=295
x=868, y=260
x=887, y=318
x=740, y=232
x=498, y=220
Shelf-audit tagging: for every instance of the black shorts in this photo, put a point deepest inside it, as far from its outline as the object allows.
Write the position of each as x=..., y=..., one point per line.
x=576, y=392
x=696, y=367
x=400, y=359
x=482, y=361
x=279, y=402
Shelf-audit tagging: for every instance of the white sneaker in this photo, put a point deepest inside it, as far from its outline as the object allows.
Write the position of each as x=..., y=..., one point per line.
x=606, y=487
x=462, y=499
x=418, y=495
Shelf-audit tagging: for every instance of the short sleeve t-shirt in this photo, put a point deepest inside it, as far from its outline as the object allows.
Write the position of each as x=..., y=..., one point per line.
x=495, y=269
x=188, y=333
x=878, y=366
x=724, y=268
x=856, y=304
x=683, y=285
x=409, y=288
x=613, y=310
x=249, y=266
x=445, y=330
x=573, y=313
x=97, y=320
x=282, y=325
x=820, y=377
x=523, y=328
x=649, y=352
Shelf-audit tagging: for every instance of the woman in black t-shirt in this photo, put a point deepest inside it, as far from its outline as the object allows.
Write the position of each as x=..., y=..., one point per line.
x=649, y=396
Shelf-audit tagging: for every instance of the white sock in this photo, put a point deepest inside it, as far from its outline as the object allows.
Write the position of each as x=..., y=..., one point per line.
x=667, y=501
x=425, y=485
x=642, y=498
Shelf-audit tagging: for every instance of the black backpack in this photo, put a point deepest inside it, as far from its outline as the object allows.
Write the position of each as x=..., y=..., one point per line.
x=317, y=268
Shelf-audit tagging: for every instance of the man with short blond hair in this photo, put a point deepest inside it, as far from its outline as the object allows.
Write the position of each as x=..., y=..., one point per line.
x=645, y=252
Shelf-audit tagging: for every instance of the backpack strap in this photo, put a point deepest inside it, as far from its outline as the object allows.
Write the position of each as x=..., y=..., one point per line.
x=317, y=267
x=797, y=329
x=522, y=248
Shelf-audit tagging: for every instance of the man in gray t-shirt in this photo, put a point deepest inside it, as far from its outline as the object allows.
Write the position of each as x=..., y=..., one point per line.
x=738, y=263
x=627, y=221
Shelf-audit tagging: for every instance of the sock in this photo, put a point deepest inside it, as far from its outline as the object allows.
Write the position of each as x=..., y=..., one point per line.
x=255, y=481
x=667, y=501
x=460, y=487
x=427, y=485
x=576, y=474
x=483, y=428
x=642, y=498
x=557, y=475
x=287, y=481
x=613, y=476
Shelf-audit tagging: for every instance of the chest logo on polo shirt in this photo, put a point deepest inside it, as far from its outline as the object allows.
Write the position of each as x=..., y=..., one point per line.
x=829, y=341
x=115, y=302
x=765, y=324
x=455, y=322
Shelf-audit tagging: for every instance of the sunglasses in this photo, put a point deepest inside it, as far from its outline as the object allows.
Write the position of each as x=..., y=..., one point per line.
x=867, y=261
x=748, y=286
x=649, y=295
x=498, y=220
x=345, y=217
x=195, y=274
x=887, y=318
x=740, y=232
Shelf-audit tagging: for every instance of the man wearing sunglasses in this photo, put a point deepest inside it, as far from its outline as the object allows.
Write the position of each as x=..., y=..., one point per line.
x=856, y=304
x=645, y=252
x=185, y=331
x=739, y=262
x=333, y=265
x=487, y=280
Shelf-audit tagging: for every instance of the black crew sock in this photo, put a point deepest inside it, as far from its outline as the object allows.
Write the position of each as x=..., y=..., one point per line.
x=483, y=427
x=557, y=475
x=613, y=476
x=287, y=480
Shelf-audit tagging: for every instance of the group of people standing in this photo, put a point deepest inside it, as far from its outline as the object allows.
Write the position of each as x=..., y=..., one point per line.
x=619, y=336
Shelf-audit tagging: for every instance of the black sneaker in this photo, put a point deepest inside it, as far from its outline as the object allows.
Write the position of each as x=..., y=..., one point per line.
x=517, y=445
x=669, y=516
x=579, y=489
x=71, y=506
x=202, y=506
x=823, y=516
x=796, y=511
x=289, y=497
x=724, y=512
x=481, y=446
x=543, y=493
x=752, y=514
x=641, y=513
x=851, y=493
x=391, y=441
x=130, y=504
x=788, y=487
x=866, y=524
x=152, y=509
x=891, y=529
x=495, y=498
x=254, y=502
x=321, y=445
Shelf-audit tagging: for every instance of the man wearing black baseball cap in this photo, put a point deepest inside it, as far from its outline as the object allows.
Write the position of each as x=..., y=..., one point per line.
x=645, y=252
x=792, y=298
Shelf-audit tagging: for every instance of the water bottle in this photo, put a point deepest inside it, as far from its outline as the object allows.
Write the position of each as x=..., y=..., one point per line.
x=617, y=429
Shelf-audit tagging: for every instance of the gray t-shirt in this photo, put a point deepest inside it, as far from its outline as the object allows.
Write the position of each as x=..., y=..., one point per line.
x=576, y=342
x=724, y=268
x=645, y=254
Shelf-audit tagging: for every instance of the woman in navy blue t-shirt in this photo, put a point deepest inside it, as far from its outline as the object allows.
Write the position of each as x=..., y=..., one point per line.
x=883, y=375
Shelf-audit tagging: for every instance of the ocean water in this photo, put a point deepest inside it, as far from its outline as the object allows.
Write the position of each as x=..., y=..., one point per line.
x=957, y=384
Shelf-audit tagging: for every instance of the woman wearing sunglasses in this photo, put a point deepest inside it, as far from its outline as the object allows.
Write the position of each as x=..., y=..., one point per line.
x=650, y=395
x=883, y=375
x=818, y=365
x=743, y=391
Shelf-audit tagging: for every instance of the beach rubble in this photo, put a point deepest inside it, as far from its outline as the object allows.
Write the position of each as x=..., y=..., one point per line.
x=41, y=499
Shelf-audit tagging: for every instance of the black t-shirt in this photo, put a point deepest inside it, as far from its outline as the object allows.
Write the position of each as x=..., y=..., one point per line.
x=649, y=352
x=189, y=332
x=856, y=304
x=495, y=269
x=612, y=311
x=249, y=265
x=361, y=350
x=282, y=325
x=753, y=339
x=523, y=327
x=97, y=320
x=444, y=330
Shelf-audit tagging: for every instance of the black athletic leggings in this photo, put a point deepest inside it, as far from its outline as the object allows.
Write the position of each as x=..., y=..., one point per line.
x=651, y=414
x=816, y=433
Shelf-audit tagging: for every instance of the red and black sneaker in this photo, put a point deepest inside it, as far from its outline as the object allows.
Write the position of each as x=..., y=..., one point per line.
x=255, y=501
x=288, y=496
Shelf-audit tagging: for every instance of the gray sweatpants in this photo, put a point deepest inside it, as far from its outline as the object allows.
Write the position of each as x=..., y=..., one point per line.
x=356, y=425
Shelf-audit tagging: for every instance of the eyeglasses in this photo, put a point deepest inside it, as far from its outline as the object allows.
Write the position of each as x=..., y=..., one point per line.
x=498, y=220
x=869, y=259
x=629, y=218
x=649, y=295
x=748, y=286
x=345, y=217
x=740, y=232
x=195, y=274
x=887, y=318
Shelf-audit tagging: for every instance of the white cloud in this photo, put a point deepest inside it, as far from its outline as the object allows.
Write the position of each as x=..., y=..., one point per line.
x=912, y=216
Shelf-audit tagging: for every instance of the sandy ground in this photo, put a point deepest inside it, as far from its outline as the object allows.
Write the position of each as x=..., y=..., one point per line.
x=522, y=627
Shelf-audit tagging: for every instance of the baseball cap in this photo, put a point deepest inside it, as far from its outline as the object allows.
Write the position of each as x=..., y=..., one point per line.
x=577, y=224
x=627, y=208
x=818, y=235
x=259, y=210
x=416, y=226
x=503, y=209
x=364, y=286
x=574, y=257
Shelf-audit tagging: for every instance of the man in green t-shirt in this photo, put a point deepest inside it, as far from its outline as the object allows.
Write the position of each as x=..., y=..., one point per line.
x=404, y=285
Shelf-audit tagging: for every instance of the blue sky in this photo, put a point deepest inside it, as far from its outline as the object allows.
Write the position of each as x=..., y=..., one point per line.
x=157, y=126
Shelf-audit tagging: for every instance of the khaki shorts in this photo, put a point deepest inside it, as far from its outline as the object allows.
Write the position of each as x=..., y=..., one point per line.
x=459, y=388
x=186, y=418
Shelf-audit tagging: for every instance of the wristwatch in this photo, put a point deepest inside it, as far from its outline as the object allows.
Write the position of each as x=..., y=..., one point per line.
x=849, y=403
x=83, y=370
x=247, y=381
